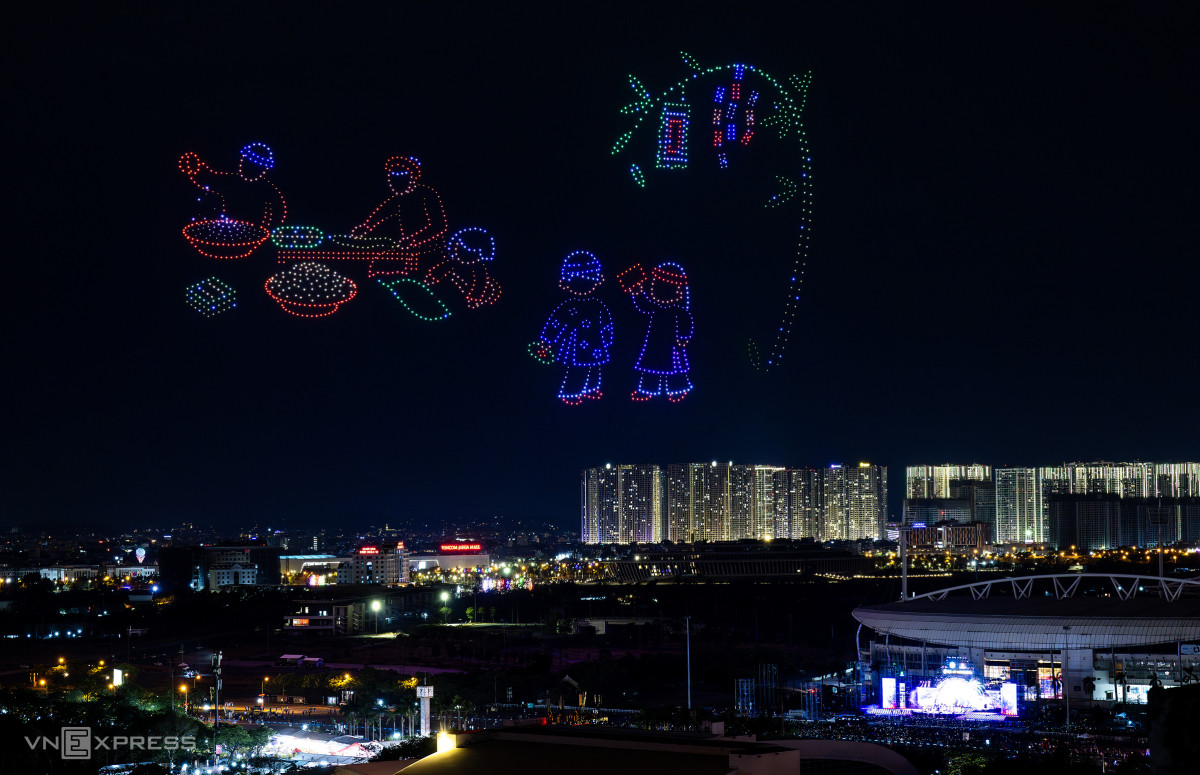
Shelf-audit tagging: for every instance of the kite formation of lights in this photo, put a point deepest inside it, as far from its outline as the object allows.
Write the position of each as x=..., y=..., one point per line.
x=745, y=101
x=310, y=289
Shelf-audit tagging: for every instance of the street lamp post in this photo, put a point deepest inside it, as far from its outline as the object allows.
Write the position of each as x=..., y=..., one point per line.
x=1065, y=680
x=687, y=625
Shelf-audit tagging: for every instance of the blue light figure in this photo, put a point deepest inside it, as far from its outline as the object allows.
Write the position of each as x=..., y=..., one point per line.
x=662, y=366
x=579, y=332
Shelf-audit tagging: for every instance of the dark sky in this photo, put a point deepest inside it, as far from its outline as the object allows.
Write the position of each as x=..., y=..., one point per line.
x=1003, y=265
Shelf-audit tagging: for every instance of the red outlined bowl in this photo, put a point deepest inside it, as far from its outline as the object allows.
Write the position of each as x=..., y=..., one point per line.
x=225, y=238
x=295, y=301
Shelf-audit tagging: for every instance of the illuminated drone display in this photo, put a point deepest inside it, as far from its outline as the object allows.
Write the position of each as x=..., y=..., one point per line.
x=725, y=108
x=402, y=242
x=310, y=289
x=211, y=297
x=662, y=365
x=579, y=332
x=235, y=210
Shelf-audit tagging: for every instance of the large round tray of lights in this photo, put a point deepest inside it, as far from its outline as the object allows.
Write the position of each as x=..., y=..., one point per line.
x=310, y=289
x=225, y=238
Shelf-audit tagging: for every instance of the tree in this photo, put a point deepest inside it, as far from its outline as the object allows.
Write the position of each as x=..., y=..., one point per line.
x=232, y=738
x=1121, y=680
x=258, y=737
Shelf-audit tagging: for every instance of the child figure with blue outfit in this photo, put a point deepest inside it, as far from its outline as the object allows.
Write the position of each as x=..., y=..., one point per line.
x=662, y=366
x=579, y=332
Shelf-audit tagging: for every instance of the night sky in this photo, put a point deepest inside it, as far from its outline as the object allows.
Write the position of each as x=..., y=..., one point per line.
x=1002, y=266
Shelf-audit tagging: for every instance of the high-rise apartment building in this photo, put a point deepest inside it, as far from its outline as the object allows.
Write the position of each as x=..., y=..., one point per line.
x=855, y=502
x=768, y=503
x=698, y=501
x=1177, y=480
x=678, y=509
x=597, y=495
x=1020, y=516
x=804, y=503
x=938, y=481
x=376, y=564
x=621, y=503
x=721, y=501
x=958, y=493
x=741, y=502
x=639, y=503
x=1125, y=480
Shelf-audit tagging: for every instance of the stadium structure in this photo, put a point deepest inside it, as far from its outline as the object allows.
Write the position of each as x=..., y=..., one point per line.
x=993, y=646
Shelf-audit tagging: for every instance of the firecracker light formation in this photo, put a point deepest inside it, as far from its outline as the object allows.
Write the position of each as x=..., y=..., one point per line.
x=743, y=100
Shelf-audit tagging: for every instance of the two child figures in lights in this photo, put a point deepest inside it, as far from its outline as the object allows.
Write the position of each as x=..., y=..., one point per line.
x=578, y=335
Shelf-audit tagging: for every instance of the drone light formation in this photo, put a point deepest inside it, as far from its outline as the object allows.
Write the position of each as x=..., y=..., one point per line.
x=211, y=297
x=239, y=209
x=578, y=334
x=744, y=101
x=224, y=238
x=468, y=252
x=404, y=288
x=310, y=289
x=662, y=365
x=403, y=238
x=297, y=237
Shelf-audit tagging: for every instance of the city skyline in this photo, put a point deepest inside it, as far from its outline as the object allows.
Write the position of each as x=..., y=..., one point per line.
x=721, y=501
x=995, y=263
x=686, y=502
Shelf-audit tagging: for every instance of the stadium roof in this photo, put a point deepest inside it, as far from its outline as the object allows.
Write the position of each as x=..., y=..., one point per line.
x=1044, y=621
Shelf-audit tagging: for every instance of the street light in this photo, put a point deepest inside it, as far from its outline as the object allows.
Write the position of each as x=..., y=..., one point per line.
x=184, y=688
x=375, y=606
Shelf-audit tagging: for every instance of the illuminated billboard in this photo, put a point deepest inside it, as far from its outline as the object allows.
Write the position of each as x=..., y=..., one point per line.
x=369, y=550
x=955, y=692
x=465, y=546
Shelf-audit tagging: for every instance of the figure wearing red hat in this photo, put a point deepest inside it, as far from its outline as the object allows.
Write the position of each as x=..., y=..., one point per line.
x=412, y=218
x=662, y=366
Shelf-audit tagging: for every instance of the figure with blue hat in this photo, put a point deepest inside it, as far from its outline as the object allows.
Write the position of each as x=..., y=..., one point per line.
x=579, y=332
x=247, y=195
